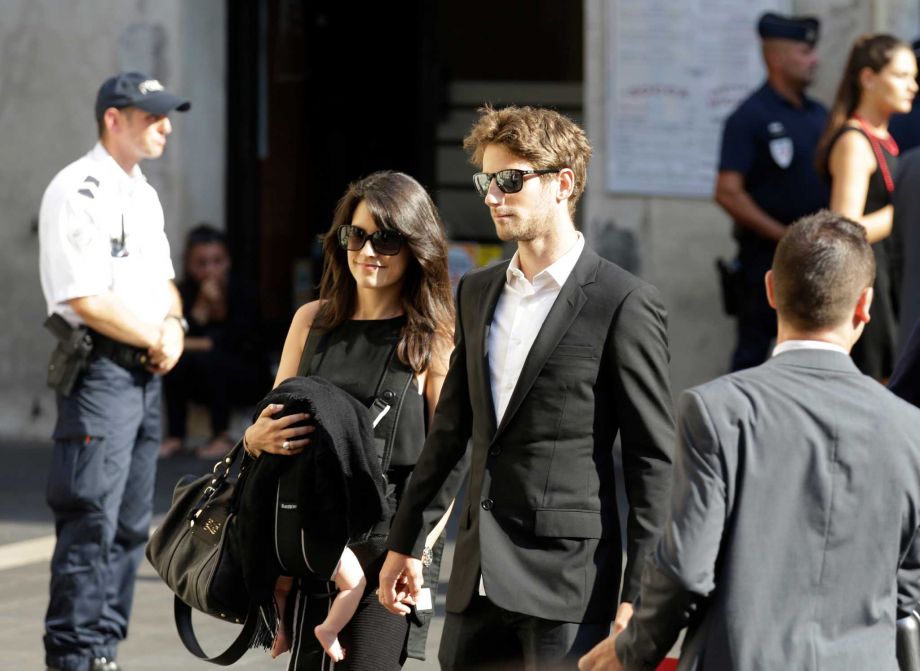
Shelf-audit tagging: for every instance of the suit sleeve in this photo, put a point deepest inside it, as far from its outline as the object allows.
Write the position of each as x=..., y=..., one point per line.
x=644, y=408
x=681, y=573
x=909, y=578
x=443, y=462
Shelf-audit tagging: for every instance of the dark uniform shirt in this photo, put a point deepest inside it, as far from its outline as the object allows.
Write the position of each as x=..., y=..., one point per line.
x=772, y=143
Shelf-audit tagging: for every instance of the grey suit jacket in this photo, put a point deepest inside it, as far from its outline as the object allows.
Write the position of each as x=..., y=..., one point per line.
x=540, y=522
x=794, y=513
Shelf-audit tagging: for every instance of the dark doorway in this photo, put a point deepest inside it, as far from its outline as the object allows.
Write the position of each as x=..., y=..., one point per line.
x=321, y=93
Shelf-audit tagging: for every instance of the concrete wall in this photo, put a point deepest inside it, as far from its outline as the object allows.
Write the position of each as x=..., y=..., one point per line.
x=53, y=57
x=673, y=242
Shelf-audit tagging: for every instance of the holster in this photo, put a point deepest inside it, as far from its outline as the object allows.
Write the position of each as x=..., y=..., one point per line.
x=731, y=281
x=70, y=357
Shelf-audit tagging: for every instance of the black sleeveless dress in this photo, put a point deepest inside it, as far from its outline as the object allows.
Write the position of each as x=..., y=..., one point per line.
x=874, y=352
x=353, y=356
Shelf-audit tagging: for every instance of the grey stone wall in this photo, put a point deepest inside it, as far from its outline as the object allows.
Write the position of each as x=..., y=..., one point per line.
x=53, y=57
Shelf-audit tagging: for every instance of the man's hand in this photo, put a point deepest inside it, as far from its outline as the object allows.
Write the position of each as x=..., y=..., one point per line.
x=602, y=657
x=400, y=582
x=165, y=354
x=622, y=618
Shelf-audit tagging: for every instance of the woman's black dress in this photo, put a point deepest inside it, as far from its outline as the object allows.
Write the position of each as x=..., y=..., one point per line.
x=354, y=356
x=874, y=351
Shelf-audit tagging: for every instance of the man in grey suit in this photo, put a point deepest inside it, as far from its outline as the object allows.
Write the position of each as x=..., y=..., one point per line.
x=796, y=500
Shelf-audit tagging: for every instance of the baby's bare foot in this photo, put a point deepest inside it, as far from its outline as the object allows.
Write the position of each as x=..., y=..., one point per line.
x=330, y=641
x=281, y=644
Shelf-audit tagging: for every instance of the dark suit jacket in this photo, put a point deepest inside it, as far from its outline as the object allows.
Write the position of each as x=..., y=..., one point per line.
x=791, y=541
x=541, y=520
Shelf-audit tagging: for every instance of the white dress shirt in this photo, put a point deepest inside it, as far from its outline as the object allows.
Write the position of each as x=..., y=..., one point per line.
x=519, y=315
x=790, y=345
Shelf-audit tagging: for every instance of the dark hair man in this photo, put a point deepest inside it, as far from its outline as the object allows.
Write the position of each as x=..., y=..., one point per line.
x=767, y=177
x=105, y=266
x=557, y=351
x=796, y=505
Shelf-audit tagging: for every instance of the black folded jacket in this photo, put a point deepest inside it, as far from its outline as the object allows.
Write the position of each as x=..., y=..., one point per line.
x=341, y=488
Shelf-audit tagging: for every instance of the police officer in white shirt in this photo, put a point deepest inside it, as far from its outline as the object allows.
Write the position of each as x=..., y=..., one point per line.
x=105, y=267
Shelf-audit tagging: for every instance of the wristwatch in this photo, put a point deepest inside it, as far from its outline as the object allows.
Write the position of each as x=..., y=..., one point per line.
x=183, y=322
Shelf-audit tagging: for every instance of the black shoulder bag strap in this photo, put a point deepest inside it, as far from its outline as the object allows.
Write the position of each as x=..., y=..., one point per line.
x=385, y=411
x=309, y=349
x=183, y=615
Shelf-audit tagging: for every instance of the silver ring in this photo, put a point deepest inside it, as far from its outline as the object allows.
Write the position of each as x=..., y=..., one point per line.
x=286, y=445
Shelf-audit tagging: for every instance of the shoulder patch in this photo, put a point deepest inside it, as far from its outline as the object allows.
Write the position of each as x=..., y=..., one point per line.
x=91, y=180
x=86, y=192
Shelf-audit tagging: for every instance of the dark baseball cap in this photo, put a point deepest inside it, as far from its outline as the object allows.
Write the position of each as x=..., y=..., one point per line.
x=797, y=28
x=134, y=89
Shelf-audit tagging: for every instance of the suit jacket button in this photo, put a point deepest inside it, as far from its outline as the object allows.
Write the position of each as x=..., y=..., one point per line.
x=496, y=450
x=487, y=504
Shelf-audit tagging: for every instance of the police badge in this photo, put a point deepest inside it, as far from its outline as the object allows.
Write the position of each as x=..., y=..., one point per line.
x=781, y=148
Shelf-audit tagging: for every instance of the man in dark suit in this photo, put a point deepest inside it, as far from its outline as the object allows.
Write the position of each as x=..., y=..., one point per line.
x=796, y=503
x=556, y=352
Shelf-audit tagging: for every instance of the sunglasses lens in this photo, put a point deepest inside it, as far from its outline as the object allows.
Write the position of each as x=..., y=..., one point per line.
x=387, y=243
x=481, y=180
x=510, y=181
x=351, y=238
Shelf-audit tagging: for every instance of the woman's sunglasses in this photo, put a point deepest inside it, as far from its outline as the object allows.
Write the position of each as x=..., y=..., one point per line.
x=387, y=243
x=508, y=181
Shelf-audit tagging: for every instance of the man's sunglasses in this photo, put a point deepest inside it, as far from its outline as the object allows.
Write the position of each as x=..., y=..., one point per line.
x=387, y=243
x=508, y=181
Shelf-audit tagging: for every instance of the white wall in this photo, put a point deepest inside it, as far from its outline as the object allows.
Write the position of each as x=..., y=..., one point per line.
x=53, y=57
x=678, y=239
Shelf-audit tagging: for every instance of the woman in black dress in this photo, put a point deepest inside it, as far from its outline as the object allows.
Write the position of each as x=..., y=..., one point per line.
x=858, y=155
x=385, y=292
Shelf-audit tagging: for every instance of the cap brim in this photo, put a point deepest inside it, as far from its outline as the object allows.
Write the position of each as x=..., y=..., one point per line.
x=162, y=103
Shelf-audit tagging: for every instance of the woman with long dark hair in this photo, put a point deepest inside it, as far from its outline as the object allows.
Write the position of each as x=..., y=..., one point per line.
x=384, y=293
x=858, y=155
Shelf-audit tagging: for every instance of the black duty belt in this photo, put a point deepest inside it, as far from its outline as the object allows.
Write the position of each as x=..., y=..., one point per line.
x=124, y=355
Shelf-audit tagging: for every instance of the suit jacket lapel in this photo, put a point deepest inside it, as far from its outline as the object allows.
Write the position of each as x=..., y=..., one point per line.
x=564, y=311
x=479, y=338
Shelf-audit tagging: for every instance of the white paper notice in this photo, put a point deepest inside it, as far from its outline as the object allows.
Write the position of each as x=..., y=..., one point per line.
x=676, y=69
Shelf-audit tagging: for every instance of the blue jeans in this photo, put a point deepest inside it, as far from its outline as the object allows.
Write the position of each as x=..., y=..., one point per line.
x=100, y=488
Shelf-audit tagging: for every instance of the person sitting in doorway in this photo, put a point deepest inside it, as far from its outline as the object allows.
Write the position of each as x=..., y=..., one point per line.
x=224, y=363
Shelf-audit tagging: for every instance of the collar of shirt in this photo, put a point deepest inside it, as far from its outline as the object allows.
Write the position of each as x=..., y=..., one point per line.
x=101, y=155
x=553, y=275
x=790, y=345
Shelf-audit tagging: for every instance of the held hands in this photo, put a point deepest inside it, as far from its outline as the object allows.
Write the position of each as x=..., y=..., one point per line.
x=400, y=582
x=603, y=656
x=165, y=354
x=277, y=436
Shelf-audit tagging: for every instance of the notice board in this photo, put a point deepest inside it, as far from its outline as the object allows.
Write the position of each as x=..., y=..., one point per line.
x=675, y=69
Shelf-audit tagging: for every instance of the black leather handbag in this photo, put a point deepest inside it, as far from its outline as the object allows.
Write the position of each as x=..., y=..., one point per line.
x=193, y=552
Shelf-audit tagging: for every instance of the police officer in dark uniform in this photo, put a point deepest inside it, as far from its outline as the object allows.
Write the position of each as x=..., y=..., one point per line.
x=107, y=278
x=767, y=178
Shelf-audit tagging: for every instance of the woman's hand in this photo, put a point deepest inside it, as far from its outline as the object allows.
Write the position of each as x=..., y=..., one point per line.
x=277, y=436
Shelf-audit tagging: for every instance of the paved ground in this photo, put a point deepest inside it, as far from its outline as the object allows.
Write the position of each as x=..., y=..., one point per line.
x=25, y=545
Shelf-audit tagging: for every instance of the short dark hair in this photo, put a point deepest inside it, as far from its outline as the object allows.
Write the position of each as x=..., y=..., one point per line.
x=820, y=268
x=204, y=234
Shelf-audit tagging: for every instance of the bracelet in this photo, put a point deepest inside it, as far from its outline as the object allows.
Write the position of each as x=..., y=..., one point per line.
x=246, y=447
x=427, y=556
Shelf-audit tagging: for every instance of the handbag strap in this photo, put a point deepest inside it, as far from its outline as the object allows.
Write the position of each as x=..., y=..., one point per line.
x=183, y=615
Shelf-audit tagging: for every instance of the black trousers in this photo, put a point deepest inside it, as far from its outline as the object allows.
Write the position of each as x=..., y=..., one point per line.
x=756, y=319
x=486, y=637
